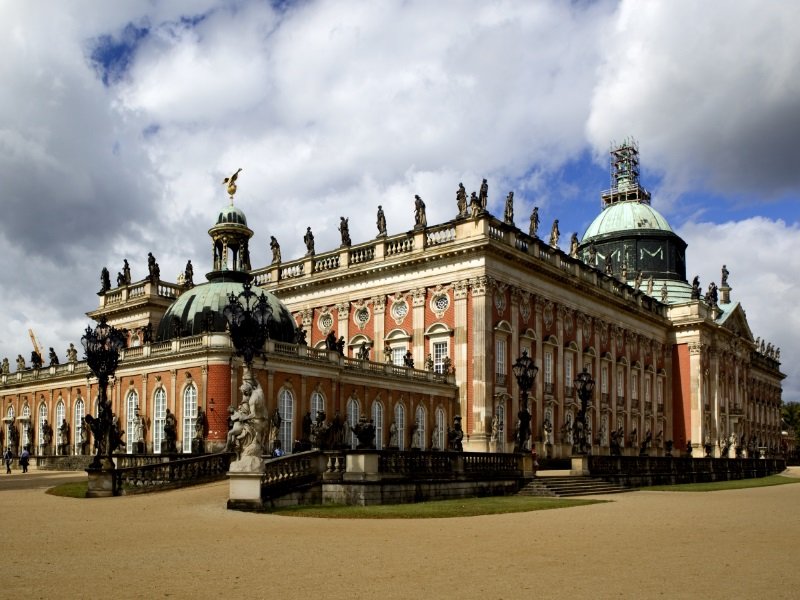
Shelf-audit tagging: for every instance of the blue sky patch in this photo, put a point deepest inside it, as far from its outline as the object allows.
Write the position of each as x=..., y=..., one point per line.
x=112, y=55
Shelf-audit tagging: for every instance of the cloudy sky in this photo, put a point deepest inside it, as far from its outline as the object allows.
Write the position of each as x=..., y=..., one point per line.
x=118, y=121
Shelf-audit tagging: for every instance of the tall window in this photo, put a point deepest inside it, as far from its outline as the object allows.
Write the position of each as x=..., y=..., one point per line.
x=10, y=420
x=501, y=419
x=189, y=416
x=377, y=420
x=634, y=386
x=548, y=367
x=620, y=382
x=159, y=416
x=419, y=415
x=500, y=361
x=353, y=412
x=131, y=404
x=604, y=379
x=286, y=409
x=42, y=419
x=440, y=430
x=61, y=415
x=317, y=405
x=80, y=413
x=659, y=391
x=439, y=354
x=568, y=371
x=26, y=428
x=647, y=389
x=400, y=421
x=398, y=354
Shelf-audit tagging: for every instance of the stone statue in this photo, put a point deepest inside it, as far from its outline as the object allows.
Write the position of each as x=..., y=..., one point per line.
x=275, y=421
x=474, y=205
x=363, y=352
x=200, y=424
x=53, y=357
x=461, y=200
x=643, y=447
x=664, y=293
x=408, y=360
x=417, y=443
x=5, y=369
x=592, y=254
x=483, y=197
x=126, y=271
x=387, y=354
x=188, y=274
x=393, y=435
x=381, y=222
x=365, y=434
x=84, y=436
x=20, y=363
x=554, y=234
x=105, y=281
x=231, y=183
x=711, y=295
x=36, y=360
x=344, y=229
x=495, y=428
x=608, y=267
x=547, y=431
x=170, y=432
x=624, y=272
x=47, y=435
x=420, y=219
x=724, y=280
x=120, y=279
x=154, y=272
x=637, y=282
x=508, y=213
x=533, y=230
x=138, y=428
x=63, y=436
x=276, y=249
x=447, y=365
x=650, y=285
x=429, y=363
x=455, y=435
x=573, y=245
x=435, y=435
x=252, y=416
x=308, y=238
x=300, y=337
x=330, y=340
x=566, y=430
x=696, y=288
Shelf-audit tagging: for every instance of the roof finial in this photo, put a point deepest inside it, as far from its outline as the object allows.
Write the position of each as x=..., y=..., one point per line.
x=231, y=182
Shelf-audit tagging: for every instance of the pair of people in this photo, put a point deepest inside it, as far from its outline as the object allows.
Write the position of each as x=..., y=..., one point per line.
x=24, y=460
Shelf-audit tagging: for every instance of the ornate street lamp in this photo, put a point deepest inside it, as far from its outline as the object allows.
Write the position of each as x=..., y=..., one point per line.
x=102, y=347
x=525, y=372
x=248, y=317
x=584, y=384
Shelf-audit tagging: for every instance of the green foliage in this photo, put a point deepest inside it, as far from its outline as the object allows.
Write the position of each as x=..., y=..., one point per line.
x=75, y=489
x=790, y=415
x=736, y=484
x=440, y=509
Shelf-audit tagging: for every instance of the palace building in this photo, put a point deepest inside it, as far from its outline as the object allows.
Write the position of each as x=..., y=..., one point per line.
x=461, y=301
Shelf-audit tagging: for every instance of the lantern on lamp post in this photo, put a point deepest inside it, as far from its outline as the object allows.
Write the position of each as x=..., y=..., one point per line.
x=584, y=384
x=525, y=373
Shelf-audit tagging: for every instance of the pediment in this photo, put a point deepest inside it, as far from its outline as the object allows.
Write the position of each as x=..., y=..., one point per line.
x=735, y=320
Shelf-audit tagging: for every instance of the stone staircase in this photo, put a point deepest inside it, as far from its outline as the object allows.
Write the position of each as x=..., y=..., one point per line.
x=561, y=487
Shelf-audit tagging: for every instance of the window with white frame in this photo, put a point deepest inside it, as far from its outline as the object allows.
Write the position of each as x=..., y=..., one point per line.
x=80, y=413
x=159, y=416
x=548, y=366
x=398, y=355
x=647, y=389
x=634, y=386
x=42, y=419
x=317, y=404
x=660, y=391
x=569, y=375
x=61, y=412
x=500, y=361
x=621, y=382
x=440, y=429
x=400, y=421
x=439, y=354
x=286, y=410
x=189, y=415
x=419, y=415
x=604, y=379
x=9, y=420
x=131, y=404
x=26, y=427
x=377, y=421
x=353, y=412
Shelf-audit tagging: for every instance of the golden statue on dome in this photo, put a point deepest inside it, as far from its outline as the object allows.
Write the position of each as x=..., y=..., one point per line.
x=231, y=183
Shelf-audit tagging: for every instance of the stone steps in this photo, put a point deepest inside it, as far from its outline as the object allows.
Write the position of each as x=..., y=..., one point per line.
x=560, y=487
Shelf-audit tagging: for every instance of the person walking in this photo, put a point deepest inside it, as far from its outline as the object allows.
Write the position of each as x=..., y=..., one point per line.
x=24, y=458
x=8, y=457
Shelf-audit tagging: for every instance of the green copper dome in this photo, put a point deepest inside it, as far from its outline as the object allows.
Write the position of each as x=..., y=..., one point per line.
x=231, y=214
x=200, y=309
x=627, y=217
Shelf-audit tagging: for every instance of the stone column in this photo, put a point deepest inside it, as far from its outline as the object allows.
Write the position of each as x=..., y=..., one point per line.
x=481, y=367
x=343, y=330
x=460, y=349
x=696, y=378
x=418, y=327
x=378, y=326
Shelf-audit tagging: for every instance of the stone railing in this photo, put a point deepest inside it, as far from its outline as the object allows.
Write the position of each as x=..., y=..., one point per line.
x=291, y=470
x=172, y=474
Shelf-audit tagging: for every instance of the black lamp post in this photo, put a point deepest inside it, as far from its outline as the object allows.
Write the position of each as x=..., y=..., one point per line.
x=248, y=317
x=584, y=384
x=525, y=372
x=102, y=347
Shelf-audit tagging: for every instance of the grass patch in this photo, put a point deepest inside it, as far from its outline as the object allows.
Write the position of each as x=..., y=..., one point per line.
x=715, y=486
x=74, y=489
x=439, y=509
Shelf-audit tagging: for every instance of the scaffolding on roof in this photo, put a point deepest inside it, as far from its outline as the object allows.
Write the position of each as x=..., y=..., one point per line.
x=625, y=184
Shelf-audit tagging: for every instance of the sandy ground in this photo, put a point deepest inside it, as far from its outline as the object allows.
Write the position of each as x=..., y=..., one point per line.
x=185, y=544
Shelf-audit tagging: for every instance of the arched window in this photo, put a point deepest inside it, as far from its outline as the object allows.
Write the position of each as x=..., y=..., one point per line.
x=131, y=404
x=189, y=415
x=377, y=420
x=400, y=421
x=353, y=412
x=501, y=421
x=419, y=416
x=80, y=413
x=438, y=443
x=42, y=419
x=26, y=426
x=10, y=423
x=159, y=416
x=286, y=409
x=317, y=404
x=61, y=416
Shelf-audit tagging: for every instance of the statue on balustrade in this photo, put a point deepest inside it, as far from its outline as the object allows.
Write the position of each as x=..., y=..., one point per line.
x=533, y=229
x=308, y=239
x=474, y=205
x=105, y=281
x=365, y=434
x=420, y=219
x=330, y=340
x=36, y=360
x=300, y=337
x=696, y=288
x=47, y=437
x=363, y=352
x=276, y=249
x=393, y=436
x=275, y=421
x=455, y=435
x=461, y=201
x=5, y=368
x=154, y=271
x=555, y=234
x=381, y=222
x=483, y=197
x=169, y=445
x=344, y=230
x=63, y=438
x=53, y=357
x=573, y=245
x=508, y=213
x=188, y=275
x=126, y=271
x=408, y=360
x=648, y=437
x=20, y=363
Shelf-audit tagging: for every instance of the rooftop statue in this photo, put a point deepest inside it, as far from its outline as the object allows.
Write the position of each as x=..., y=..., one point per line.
x=533, y=230
x=508, y=214
x=420, y=219
x=554, y=234
x=308, y=238
x=483, y=197
x=573, y=245
x=126, y=271
x=344, y=229
x=650, y=286
x=105, y=281
x=664, y=293
x=188, y=274
x=461, y=200
x=696, y=288
x=276, y=249
x=474, y=205
x=381, y=222
x=724, y=280
x=231, y=183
